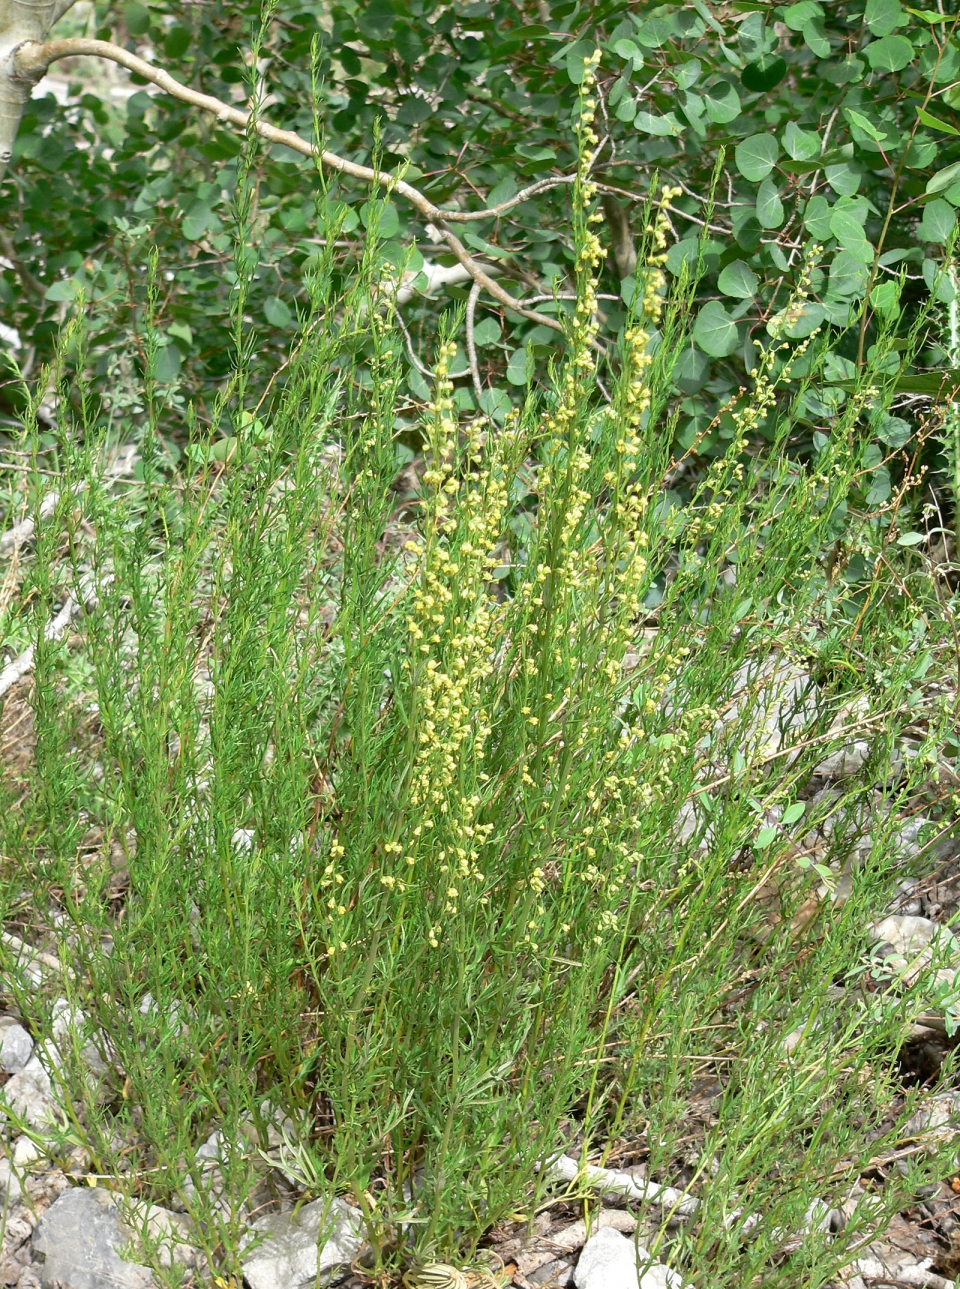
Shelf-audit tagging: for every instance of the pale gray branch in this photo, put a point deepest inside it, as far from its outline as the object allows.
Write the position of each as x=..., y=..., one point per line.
x=28, y=62
x=471, y=339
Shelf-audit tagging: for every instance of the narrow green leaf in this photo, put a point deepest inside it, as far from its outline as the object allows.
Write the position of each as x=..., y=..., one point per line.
x=944, y=179
x=927, y=118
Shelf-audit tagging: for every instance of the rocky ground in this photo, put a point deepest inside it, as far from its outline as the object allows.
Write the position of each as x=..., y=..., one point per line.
x=66, y=1226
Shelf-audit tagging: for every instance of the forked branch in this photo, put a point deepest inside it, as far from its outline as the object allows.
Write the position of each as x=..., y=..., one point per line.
x=29, y=61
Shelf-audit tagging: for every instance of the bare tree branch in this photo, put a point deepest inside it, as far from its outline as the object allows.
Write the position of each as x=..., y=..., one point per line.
x=28, y=62
x=618, y=224
x=471, y=340
x=20, y=20
x=23, y=273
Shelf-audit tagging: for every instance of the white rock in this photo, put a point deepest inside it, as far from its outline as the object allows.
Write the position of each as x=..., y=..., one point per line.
x=29, y=1095
x=916, y=942
x=16, y=1048
x=610, y=1181
x=164, y=1234
x=209, y=1158
x=610, y=1261
x=289, y=1258
x=25, y=1153
x=67, y=1030
x=777, y=701
x=9, y=1181
x=79, y=1238
x=842, y=764
x=940, y=1117
x=574, y=1236
x=689, y=821
x=908, y=936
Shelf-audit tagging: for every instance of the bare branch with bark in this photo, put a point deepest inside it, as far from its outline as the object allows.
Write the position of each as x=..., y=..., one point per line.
x=25, y=57
x=20, y=21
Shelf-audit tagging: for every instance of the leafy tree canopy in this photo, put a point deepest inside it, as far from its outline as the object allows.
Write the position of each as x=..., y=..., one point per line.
x=812, y=144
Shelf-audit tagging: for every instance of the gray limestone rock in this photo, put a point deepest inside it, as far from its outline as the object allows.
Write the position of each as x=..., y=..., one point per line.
x=29, y=1094
x=77, y=1242
x=610, y=1261
x=293, y=1255
x=16, y=1048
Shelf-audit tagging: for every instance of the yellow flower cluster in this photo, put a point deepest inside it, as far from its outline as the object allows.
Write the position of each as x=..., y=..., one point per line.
x=773, y=370
x=453, y=626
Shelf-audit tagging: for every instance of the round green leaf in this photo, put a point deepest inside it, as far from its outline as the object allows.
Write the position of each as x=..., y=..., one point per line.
x=882, y=16
x=691, y=370
x=197, y=222
x=844, y=178
x=277, y=312
x=815, y=38
x=848, y=275
x=576, y=56
x=894, y=431
x=496, y=403
x=517, y=373
x=722, y=103
x=747, y=231
x=660, y=126
x=629, y=52
x=769, y=205
x=884, y=298
x=938, y=282
x=801, y=145
x=626, y=109
x=137, y=18
x=66, y=289
x=761, y=76
x=939, y=221
x=486, y=333
x=816, y=218
x=798, y=15
x=388, y=222
x=738, y=281
x=715, y=331
x=177, y=41
x=756, y=156
x=536, y=152
x=844, y=71
x=804, y=321
x=889, y=54
x=166, y=364
x=847, y=228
